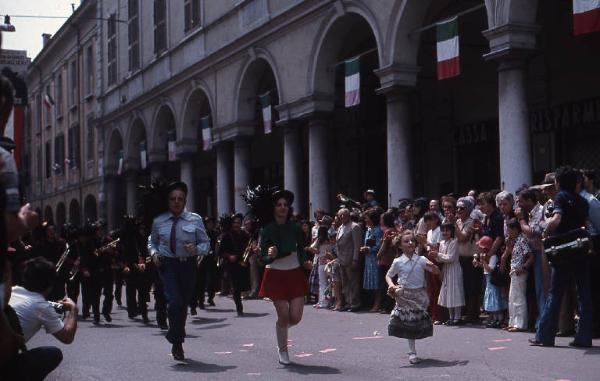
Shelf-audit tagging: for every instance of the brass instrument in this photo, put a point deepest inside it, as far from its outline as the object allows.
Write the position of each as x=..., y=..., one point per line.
x=63, y=257
x=74, y=271
x=247, y=253
x=110, y=245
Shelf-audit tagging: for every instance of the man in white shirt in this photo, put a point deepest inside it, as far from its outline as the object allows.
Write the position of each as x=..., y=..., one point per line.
x=35, y=312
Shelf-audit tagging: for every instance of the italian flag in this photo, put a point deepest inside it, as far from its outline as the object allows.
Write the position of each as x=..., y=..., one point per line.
x=586, y=16
x=352, y=83
x=120, y=167
x=171, y=147
x=265, y=105
x=48, y=101
x=206, y=137
x=143, y=155
x=448, y=61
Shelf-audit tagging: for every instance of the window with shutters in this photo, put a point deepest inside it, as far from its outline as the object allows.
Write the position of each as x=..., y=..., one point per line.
x=58, y=102
x=73, y=84
x=59, y=154
x=90, y=139
x=49, y=106
x=134, y=35
x=89, y=70
x=160, y=26
x=48, y=159
x=112, y=49
x=74, y=150
x=191, y=14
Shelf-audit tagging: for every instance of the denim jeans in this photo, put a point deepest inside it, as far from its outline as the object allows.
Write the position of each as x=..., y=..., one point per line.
x=538, y=276
x=562, y=274
x=179, y=279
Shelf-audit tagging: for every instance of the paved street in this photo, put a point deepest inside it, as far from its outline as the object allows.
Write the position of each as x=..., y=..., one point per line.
x=326, y=345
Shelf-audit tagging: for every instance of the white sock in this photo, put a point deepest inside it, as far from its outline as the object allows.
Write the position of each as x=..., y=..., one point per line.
x=412, y=346
x=282, y=337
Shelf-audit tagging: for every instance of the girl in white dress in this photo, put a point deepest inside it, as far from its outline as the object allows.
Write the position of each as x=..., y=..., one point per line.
x=452, y=292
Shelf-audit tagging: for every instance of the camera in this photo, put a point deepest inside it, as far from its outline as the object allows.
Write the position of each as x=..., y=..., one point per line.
x=59, y=308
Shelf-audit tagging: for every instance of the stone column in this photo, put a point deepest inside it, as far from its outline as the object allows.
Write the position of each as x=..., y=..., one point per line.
x=511, y=45
x=224, y=181
x=111, y=204
x=513, y=124
x=156, y=161
x=187, y=176
x=399, y=155
x=131, y=184
x=318, y=166
x=292, y=165
x=241, y=175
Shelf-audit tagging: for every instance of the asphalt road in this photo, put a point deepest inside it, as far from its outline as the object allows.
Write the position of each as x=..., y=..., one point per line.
x=325, y=345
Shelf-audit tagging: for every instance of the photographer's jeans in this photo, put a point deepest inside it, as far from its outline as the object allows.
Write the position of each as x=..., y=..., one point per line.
x=35, y=364
x=562, y=275
x=179, y=280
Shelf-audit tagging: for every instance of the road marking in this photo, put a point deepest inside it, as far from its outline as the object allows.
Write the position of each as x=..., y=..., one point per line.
x=502, y=341
x=496, y=348
x=244, y=350
x=367, y=338
x=328, y=350
x=252, y=374
x=223, y=353
x=563, y=379
x=248, y=345
x=303, y=355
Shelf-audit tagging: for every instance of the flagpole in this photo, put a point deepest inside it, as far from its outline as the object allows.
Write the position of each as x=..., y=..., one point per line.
x=355, y=57
x=459, y=14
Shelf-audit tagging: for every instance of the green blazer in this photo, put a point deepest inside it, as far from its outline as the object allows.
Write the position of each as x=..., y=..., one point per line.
x=286, y=237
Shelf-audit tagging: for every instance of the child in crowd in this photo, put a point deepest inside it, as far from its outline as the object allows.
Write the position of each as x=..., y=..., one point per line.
x=452, y=293
x=410, y=319
x=521, y=260
x=321, y=248
x=431, y=246
x=494, y=303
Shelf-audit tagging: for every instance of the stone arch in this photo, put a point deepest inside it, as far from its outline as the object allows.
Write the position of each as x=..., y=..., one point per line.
x=115, y=147
x=48, y=215
x=253, y=76
x=90, y=208
x=61, y=215
x=326, y=49
x=403, y=43
x=197, y=105
x=163, y=123
x=74, y=213
x=136, y=134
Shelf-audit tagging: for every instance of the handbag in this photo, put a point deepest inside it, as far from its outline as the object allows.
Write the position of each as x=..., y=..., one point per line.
x=398, y=291
x=565, y=246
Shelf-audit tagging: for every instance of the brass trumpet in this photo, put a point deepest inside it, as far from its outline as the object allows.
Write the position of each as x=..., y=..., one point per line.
x=247, y=253
x=63, y=257
x=110, y=245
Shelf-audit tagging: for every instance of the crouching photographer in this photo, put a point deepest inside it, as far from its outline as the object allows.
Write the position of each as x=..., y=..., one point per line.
x=34, y=312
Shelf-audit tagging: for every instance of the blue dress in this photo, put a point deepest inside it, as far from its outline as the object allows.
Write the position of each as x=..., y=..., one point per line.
x=371, y=273
x=493, y=301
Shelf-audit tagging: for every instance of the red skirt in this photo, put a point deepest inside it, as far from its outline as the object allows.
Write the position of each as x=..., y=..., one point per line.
x=283, y=284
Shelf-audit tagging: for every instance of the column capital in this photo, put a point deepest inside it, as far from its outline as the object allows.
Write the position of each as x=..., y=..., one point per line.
x=186, y=148
x=397, y=75
x=233, y=130
x=511, y=41
x=131, y=165
x=156, y=156
x=303, y=108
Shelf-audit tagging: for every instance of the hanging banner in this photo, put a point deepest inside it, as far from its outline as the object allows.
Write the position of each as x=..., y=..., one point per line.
x=448, y=61
x=265, y=104
x=352, y=82
x=171, y=146
x=120, y=165
x=206, y=133
x=586, y=16
x=143, y=155
x=100, y=167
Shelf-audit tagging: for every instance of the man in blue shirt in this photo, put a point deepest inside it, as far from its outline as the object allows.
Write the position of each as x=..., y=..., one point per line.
x=178, y=237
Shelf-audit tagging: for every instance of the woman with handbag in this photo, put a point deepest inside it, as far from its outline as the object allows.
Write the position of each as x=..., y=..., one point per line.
x=410, y=319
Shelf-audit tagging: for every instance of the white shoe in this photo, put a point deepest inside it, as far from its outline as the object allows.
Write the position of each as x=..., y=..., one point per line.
x=413, y=359
x=284, y=357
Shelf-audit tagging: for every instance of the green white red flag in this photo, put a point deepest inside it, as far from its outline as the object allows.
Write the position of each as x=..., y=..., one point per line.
x=120, y=164
x=352, y=83
x=586, y=16
x=448, y=61
x=267, y=114
x=143, y=155
x=206, y=136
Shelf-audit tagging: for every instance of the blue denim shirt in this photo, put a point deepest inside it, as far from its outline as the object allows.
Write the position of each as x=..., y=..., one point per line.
x=190, y=229
x=593, y=213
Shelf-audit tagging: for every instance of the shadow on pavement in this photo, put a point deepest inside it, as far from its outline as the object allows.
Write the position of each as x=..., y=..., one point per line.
x=433, y=363
x=218, y=310
x=108, y=325
x=214, y=326
x=254, y=314
x=203, y=320
x=311, y=369
x=195, y=366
